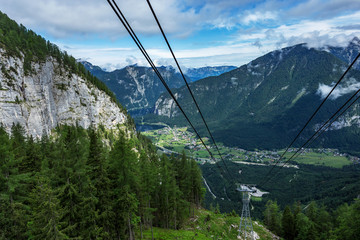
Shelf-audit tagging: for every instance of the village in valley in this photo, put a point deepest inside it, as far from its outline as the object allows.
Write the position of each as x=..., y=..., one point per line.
x=175, y=140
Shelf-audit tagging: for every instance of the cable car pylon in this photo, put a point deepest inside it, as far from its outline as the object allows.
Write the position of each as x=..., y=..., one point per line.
x=245, y=228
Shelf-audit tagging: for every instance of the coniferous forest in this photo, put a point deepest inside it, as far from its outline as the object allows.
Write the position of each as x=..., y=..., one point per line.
x=313, y=221
x=91, y=184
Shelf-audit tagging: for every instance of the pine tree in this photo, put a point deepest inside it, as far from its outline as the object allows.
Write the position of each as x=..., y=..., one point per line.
x=31, y=163
x=6, y=158
x=288, y=224
x=70, y=174
x=147, y=185
x=304, y=227
x=127, y=205
x=18, y=141
x=347, y=221
x=196, y=183
x=14, y=185
x=312, y=211
x=45, y=213
x=324, y=223
x=100, y=183
x=123, y=174
x=88, y=227
x=163, y=205
x=70, y=201
x=123, y=164
x=272, y=218
x=185, y=183
x=296, y=209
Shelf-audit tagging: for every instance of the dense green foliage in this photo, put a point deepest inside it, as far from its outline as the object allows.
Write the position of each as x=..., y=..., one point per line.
x=79, y=185
x=327, y=186
x=30, y=47
x=313, y=222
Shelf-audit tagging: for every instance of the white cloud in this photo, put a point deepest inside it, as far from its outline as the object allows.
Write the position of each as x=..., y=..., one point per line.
x=350, y=86
x=316, y=33
x=247, y=23
x=66, y=18
x=110, y=58
x=241, y=49
x=259, y=17
x=63, y=18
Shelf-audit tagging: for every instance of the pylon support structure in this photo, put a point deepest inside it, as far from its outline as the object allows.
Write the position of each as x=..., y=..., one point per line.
x=245, y=228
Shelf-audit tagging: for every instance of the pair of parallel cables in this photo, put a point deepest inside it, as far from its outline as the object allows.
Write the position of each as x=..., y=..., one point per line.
x=266, y=179
x=131, y=32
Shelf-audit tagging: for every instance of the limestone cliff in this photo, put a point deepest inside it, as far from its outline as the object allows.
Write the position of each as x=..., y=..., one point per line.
x=51, y=95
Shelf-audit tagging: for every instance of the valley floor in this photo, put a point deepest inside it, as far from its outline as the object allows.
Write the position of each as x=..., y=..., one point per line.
x=178, y=139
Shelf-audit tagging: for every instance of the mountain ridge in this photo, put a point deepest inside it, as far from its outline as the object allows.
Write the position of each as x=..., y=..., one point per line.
x=195, y=74
x=267, y=98
x=138, y=87
x=348, y=53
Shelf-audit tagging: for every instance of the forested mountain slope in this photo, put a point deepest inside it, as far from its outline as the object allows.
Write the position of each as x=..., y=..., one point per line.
x=138, y=88
x=73, y=186
x=265, y=103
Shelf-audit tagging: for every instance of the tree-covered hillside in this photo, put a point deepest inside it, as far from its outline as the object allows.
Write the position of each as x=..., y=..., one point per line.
x=327, y=186
x=91, y=184
x=136, y=87
x=265, y=103
x=313, y=221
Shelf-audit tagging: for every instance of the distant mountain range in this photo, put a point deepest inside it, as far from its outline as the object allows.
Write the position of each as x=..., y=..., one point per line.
x=348, y=53
x=264, y=103
x=195, y=74
x=138, y=87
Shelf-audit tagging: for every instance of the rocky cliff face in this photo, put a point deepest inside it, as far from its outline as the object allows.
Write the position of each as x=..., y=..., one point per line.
x=137, y=88
x=49, y=96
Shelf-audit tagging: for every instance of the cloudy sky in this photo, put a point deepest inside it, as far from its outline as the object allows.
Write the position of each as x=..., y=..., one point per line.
x=201, y=32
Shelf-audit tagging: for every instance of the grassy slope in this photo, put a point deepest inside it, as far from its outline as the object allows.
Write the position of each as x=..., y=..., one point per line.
x=202, y=227
x=321, y=159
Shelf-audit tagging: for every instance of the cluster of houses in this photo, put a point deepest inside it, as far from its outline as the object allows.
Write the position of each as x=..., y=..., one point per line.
x=237, y=154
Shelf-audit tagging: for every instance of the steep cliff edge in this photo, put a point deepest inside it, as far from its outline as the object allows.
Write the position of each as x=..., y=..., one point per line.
x=51, y=95
x=42, y=87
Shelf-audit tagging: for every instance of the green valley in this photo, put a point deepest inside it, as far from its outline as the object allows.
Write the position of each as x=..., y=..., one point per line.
x=178, y=139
